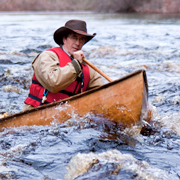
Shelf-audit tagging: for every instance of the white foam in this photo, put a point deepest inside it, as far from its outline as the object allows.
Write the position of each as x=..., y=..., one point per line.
x=5, y=169
x=172, y=122
x=172, y=66
x=159, y=98
x=82, y=163
x=10, y=88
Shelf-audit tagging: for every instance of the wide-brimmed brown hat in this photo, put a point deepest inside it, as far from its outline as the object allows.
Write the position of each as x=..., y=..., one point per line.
x=76, y=26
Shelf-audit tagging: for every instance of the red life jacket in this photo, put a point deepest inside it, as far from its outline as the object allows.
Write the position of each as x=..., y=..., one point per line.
x=36, y=91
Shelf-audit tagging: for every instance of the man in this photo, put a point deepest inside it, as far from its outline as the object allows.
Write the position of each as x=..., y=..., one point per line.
x=60, y=72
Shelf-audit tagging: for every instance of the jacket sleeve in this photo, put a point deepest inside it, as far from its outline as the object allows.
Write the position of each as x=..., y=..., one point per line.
x=95, y=79
x=50, y=75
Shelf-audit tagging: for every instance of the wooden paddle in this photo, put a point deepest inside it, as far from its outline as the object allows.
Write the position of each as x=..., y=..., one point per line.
x=98, y=70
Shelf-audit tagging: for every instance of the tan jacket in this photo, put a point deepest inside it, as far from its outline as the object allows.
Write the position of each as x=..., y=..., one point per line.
x=55, y=78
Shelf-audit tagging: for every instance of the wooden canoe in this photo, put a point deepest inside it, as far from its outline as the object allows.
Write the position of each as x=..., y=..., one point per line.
x=123, y=101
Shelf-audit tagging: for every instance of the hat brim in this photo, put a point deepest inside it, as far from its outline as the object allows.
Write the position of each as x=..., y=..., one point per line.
x=63, y=31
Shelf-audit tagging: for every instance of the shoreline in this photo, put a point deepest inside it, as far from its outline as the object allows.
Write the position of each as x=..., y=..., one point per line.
x=84, y=12
x=103, y=6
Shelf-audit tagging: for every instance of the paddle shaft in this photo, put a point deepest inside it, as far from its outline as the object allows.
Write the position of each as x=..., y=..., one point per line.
x=98, y=70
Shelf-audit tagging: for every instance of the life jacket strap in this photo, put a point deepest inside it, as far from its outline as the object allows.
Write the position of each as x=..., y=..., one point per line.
x=37, y=99
x=62, y=91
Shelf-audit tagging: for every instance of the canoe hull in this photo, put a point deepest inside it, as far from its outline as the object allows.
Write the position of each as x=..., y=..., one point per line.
x=121, y=101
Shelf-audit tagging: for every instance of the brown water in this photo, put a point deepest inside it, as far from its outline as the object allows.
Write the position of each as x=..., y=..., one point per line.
x=124, y=43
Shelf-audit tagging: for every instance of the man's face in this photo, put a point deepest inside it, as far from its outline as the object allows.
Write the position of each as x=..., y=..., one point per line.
x=73, y=42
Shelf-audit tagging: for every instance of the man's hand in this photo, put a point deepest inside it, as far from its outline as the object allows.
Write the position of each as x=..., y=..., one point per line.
x=79, y=55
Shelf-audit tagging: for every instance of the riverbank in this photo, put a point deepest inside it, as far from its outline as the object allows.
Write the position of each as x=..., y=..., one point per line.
x=103, y=6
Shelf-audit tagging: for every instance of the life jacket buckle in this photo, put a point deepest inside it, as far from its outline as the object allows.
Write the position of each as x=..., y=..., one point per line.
x=44, y=99
x=44, y=96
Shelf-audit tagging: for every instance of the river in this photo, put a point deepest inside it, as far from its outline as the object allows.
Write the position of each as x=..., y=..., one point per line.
x=124, y=44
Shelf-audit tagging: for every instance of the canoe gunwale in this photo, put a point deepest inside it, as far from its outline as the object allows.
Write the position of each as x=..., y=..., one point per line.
x=82, y=94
